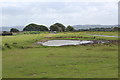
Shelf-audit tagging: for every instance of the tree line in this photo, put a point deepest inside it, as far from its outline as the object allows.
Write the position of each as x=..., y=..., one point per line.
x=35, y=27
x=101, y=29
x=58, y=27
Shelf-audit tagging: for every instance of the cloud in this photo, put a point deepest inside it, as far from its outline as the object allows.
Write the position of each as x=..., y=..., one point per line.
x=59, y=0
x=47, y=13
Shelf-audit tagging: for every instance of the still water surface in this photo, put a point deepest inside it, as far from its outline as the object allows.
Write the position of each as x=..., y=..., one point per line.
x=65, y=42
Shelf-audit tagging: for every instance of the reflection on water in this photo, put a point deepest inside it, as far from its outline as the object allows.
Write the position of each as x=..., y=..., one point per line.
x=64, y=42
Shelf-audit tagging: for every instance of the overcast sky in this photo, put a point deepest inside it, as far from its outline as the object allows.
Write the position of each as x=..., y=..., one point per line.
x=66, y=12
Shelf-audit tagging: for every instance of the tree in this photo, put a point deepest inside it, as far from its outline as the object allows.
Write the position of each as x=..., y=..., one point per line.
x=54, y=28
x=35, y=27
x=116, y=28
x=14, y=30
x=70, y=28
x=57, y=27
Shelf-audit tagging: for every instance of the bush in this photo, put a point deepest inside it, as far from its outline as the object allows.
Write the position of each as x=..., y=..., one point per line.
x=70, y=28
x=14, y=30
x=6, y=33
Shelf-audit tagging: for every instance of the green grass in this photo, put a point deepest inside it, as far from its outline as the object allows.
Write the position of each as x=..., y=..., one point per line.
x=21, y=40
x=86, y=34
x=90, y=61
x=99, y=61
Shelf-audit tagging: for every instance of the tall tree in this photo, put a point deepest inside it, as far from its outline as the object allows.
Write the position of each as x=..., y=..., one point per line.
x=58, y=27
x=70, y=28
x=14, y=30
x=35, y=27
x=54, y=28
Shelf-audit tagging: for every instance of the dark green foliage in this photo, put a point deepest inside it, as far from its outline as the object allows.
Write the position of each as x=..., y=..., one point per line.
x=54, y=28
x=5, y=33
x=60, y=26
x=70, y=28
x=35, y=27
x=57, y=27
x=112, y=29
x=116, y=28
x=14, y=30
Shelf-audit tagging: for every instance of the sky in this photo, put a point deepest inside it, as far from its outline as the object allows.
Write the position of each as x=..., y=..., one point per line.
x=67, y=12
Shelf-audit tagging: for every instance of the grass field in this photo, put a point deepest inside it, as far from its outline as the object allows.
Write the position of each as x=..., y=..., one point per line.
x=21, y=40
x=25, y=59
x=86, y=34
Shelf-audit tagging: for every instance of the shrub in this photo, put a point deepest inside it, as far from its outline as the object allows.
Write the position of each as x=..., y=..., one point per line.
x=70, y=28
x=14, y=30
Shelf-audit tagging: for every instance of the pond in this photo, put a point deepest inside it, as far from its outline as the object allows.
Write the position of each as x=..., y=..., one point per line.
x=64, y=42
x=104, y=35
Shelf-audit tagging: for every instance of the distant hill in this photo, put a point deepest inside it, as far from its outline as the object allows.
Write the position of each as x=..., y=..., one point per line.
x=7, y=28
x=92, y=26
